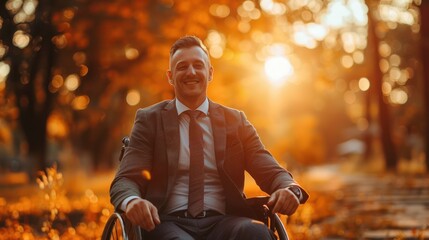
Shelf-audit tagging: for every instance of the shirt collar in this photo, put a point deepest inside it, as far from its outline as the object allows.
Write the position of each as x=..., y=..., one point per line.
x=204, y=107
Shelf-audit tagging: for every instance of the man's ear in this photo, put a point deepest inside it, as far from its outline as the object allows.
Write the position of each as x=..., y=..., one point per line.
x=211, y=73
x=170, y=80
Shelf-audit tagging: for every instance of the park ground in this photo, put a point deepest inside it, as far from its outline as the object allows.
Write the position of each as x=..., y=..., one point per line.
x=349, y=200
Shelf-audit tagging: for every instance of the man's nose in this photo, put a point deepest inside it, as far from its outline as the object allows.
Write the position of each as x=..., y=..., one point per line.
x=191, y=70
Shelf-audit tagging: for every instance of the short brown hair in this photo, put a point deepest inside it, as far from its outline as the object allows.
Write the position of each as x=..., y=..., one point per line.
x=187, y=42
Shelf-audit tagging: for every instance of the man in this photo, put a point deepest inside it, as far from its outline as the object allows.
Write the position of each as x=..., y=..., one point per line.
x=157, y=185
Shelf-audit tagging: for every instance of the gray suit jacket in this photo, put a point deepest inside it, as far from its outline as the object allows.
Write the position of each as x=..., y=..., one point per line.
x=148, y=168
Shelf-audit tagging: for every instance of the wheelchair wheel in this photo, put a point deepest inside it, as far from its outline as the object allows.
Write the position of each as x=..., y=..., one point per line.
x=277, y=227
x=118, y=227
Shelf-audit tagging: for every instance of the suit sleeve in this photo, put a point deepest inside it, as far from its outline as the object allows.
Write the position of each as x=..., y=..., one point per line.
x=261, y=165
x=133, y=173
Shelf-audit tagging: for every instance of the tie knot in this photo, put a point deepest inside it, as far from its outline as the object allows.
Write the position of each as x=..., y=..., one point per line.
x=193, y=113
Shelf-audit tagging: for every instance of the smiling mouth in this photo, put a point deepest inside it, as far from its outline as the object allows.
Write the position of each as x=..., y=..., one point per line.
x=191, y=82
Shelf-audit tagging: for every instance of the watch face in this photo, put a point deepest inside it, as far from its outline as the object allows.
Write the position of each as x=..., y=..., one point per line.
x=296, y=191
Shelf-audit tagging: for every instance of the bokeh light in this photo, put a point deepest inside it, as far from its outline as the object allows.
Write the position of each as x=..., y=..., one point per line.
x=131, y=53
x=4, y=71
x=133, y=97
x=80, y=102
x=278, y=69
x=3, y=48
x=72, y=82
x=60, y=41
x=347, y=61
x=398, y=96
x=21, y=39
x=13, y=5
x=216, y=44
x=364, y=84
x=56, y=126
x=219, y=10
x=273, y=8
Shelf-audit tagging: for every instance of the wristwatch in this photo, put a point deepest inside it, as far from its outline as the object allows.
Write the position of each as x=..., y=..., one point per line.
x=296, y=191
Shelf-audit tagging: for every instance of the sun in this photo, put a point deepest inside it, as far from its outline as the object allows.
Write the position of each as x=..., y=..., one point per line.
x=278, y=69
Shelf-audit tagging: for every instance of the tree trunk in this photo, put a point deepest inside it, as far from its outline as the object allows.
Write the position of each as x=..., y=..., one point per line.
x=368, y=136
x=40, y=76
x=29, y=80
x=424, y=13
x=384, y=118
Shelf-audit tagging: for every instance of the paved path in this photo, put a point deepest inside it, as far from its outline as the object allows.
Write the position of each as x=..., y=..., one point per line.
x=367, y=206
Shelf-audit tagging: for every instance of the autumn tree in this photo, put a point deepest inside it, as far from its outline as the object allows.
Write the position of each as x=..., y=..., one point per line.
x=384, y=115
x=111, y=59
x=424, y=11
x=27, y=32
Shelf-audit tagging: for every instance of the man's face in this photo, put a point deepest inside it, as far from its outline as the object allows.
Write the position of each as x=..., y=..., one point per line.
x=190, y=72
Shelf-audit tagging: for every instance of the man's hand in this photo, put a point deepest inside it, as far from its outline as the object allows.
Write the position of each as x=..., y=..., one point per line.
x=143, y=213
x=283, y=201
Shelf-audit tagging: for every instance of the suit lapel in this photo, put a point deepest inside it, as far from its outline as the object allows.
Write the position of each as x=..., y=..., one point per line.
x=217, y=119
x=170, y=122
x=234, y=198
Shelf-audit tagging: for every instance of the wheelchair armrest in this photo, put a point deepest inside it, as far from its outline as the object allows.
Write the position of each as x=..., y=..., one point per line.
x=257, y=201
x=263, y=214
x=259, y=207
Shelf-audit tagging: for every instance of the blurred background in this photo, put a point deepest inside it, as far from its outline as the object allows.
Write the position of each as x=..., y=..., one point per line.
x=334, y=87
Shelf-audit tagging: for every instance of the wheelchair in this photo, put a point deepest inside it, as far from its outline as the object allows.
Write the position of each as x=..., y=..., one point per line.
x=118, y=227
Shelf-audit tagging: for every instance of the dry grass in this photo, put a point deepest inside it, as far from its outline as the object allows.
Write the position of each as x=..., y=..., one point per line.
x=51, y=214
x=344, y=204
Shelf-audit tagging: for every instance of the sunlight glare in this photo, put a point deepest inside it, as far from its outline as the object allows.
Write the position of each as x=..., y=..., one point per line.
x=278, y=69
